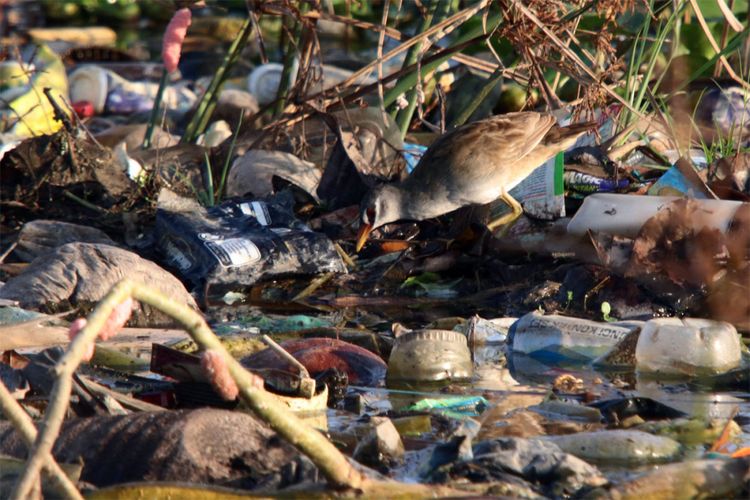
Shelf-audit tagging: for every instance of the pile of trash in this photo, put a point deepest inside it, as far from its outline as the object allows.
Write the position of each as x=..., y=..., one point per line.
x=595, y=347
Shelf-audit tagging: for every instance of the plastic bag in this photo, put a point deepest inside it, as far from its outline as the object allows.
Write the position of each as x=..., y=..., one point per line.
x=240, y=241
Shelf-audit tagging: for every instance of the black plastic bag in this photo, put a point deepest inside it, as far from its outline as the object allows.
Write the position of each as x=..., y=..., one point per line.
x=240, y=241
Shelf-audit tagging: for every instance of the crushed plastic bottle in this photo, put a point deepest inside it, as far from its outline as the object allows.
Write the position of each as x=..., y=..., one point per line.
x=557, y=338
x=687, y=346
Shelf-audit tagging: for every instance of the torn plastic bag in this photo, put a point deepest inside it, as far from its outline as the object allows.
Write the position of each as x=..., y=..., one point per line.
x=240, y=241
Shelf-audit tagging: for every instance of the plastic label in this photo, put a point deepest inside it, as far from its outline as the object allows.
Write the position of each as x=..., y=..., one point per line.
x=258, y=210
x=234, y=252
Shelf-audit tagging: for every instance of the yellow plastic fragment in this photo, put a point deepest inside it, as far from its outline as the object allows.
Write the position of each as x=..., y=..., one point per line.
x=24, y=109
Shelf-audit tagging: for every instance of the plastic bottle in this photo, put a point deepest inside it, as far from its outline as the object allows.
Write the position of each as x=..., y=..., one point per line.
x=687, y=346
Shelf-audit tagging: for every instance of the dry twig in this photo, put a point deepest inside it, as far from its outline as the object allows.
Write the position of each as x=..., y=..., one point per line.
x=25, y=427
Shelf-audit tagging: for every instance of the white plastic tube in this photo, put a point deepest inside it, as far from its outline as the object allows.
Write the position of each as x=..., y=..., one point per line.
x=624, y=215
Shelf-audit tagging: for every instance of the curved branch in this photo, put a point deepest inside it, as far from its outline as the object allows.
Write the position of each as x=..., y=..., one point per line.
x=332, y=463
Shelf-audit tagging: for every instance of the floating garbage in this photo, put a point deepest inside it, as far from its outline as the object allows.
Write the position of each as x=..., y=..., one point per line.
x=457, y=406
x=618, y=410
x=412, y=153
x=479, y=330
x=319, y=355
x=39, y=237
x=523, y=468
x=674, y=183
x=108, y=92
x=618, y=446
x=689, y=479
x=723, y=110
x=541, y=193
x=380, y=445
x=46, y=284
x=254, y=171
x=202, y=446
x=585, y=184
x=240, y=241
x=429, y=356
x=563, y=409
x=694, y=431
x=687, y=346
x=490, y=407
x=553, y=338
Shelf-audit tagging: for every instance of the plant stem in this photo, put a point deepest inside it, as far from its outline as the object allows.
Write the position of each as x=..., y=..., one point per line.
x=227, y=161
x=491, y=82
x=155, y=111
x=84, y=203
x=209, y=181
x=322, y=452
x=25, y=426
x=408, y=81
x=444, y=26
x=288, y=73
x=403, y=116
x=60, y=395
x=207, y=103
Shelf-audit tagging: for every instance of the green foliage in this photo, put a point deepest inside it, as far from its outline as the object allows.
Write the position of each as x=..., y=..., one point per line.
x=430, y=284
x=644, y=56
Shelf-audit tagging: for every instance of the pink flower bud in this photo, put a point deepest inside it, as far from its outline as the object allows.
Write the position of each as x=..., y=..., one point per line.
x=73, y=330
x=221, y=379
x=174, y=35
x=117, y=319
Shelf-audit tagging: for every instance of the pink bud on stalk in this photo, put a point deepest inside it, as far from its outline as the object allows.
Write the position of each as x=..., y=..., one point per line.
x=174, y=35
x=75, y=327
x=218, y=373
x=114, y=323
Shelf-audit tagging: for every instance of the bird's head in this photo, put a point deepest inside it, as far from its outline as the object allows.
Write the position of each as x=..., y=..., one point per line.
x=383, y=204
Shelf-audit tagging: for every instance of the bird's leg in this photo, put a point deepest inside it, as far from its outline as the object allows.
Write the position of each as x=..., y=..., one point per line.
x=516, y=208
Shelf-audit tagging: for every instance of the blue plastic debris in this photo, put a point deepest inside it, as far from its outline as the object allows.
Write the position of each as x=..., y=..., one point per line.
x=412, y=154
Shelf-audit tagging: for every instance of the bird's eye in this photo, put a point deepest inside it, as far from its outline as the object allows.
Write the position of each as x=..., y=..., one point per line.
x=371, y=215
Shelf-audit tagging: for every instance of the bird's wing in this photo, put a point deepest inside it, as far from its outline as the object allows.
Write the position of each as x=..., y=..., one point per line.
x=510, y=137
x=478, y=150
x=507, y=137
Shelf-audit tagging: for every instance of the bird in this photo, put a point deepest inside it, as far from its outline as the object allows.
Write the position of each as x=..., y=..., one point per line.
x=473, y=164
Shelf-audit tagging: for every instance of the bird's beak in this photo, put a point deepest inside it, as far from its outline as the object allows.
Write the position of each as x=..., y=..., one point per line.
x=364, y=231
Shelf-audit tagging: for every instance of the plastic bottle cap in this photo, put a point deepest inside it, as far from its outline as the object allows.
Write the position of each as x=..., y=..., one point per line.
x=83, y=109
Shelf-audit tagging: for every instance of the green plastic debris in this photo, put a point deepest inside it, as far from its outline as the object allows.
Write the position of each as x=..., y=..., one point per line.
x=454, y=407
x=277, y=324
